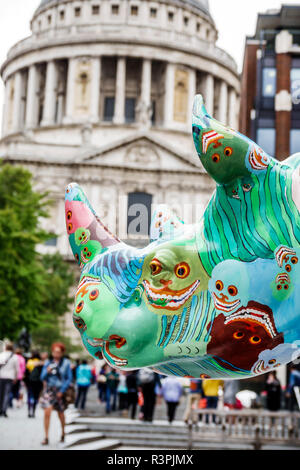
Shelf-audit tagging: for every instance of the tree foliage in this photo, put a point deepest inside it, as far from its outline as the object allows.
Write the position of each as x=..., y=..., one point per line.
x=33, y=287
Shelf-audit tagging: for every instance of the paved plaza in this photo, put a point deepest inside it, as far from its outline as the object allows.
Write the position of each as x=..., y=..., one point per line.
x=23, y=433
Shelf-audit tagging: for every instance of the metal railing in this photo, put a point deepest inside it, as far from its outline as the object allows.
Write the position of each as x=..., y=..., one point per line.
x=254, y=427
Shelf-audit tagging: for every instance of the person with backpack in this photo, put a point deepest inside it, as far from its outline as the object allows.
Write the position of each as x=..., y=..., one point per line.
x=9, y=369
x=83, y=381
x=57, y=375
x=16, y=388
x=33, y=382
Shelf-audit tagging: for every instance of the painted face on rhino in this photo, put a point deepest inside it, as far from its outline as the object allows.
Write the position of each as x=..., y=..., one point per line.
x=162, y=306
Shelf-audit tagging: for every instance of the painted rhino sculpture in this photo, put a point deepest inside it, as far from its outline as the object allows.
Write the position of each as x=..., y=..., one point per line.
x=220, y=299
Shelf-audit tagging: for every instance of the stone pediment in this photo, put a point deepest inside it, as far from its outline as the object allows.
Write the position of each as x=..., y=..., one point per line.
x=140, y=152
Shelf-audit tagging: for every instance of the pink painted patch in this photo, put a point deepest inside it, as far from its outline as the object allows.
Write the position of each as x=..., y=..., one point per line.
x=77, y=215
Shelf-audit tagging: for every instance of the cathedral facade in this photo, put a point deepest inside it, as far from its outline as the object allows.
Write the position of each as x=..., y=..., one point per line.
x=101, y=93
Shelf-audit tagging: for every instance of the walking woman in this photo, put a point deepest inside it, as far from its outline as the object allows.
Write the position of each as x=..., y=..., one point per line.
x=57, y=374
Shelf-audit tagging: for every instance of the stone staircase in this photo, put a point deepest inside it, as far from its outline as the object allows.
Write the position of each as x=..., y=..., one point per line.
x=137, y=434
x=96, y=433
x=81, y=437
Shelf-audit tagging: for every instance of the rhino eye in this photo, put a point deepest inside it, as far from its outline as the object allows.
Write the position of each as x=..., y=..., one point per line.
x=79, y=307
x=228, y=151
x=182, y=270
x=94, y=294
x=219, y=285
x=155, y=267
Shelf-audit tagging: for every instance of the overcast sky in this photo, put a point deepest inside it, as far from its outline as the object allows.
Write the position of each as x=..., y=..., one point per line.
x=235, y=19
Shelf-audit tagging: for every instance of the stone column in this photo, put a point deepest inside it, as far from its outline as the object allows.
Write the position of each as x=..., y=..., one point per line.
x=32, y=101
x=5, y=107
x=119, y=115
x=50, y=95
x=169, y=94
x=146, y=82
x=144, y=107
x=232, y=109
x=70, y=91
x=209, y=94
x=192, y=93
x=223, y=104
x=95, y=88
x=17, y=102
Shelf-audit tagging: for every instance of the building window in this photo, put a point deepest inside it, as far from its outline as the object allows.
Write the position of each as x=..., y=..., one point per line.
x=294, y=141
x=170, y=16
x=266, y=139
x=62, y=15
x=95, y=9
x=186, y=21
x=115, y=9
x=269, y=82
x=130, y=109
x=198, y=27
x=134, y=10
x=77, y=12
x=139, y=214
x=109, y=108
x=49, y=19
x=153, y=12
x=295, y=86
x=51, y=241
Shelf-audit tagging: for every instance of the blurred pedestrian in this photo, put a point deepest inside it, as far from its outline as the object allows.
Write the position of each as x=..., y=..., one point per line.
x=83, y=381
x=148, y=380
x=211, y=392
x=101, y=383
x=132, y=395
x=171, y=391
x=9, y=370
x=123, y=393
x=57, y=374
x=273, y=389
x=34, y=382
x=293, y=389
x=112, y=380
x=194, y=396
x=231, y=388
x=16, y=388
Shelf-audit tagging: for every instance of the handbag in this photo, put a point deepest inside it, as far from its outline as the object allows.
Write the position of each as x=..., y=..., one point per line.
x=101, y=379
x=70, y=395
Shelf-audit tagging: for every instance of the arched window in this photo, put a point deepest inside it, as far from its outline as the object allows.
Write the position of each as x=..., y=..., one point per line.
x=139, y=214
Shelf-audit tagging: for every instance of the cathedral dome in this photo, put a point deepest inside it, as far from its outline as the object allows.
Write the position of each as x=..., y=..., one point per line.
x=202, y=5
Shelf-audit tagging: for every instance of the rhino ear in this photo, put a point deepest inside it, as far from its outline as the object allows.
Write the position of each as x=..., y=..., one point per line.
x=165, y=225
x=87, y=234
x=199, y=111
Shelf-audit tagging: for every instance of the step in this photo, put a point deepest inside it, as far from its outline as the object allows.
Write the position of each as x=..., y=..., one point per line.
x=101, y=444
x=176, y=427
x=129, y=435
x=73, y=428
x=81, y=438
x=151, y=431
